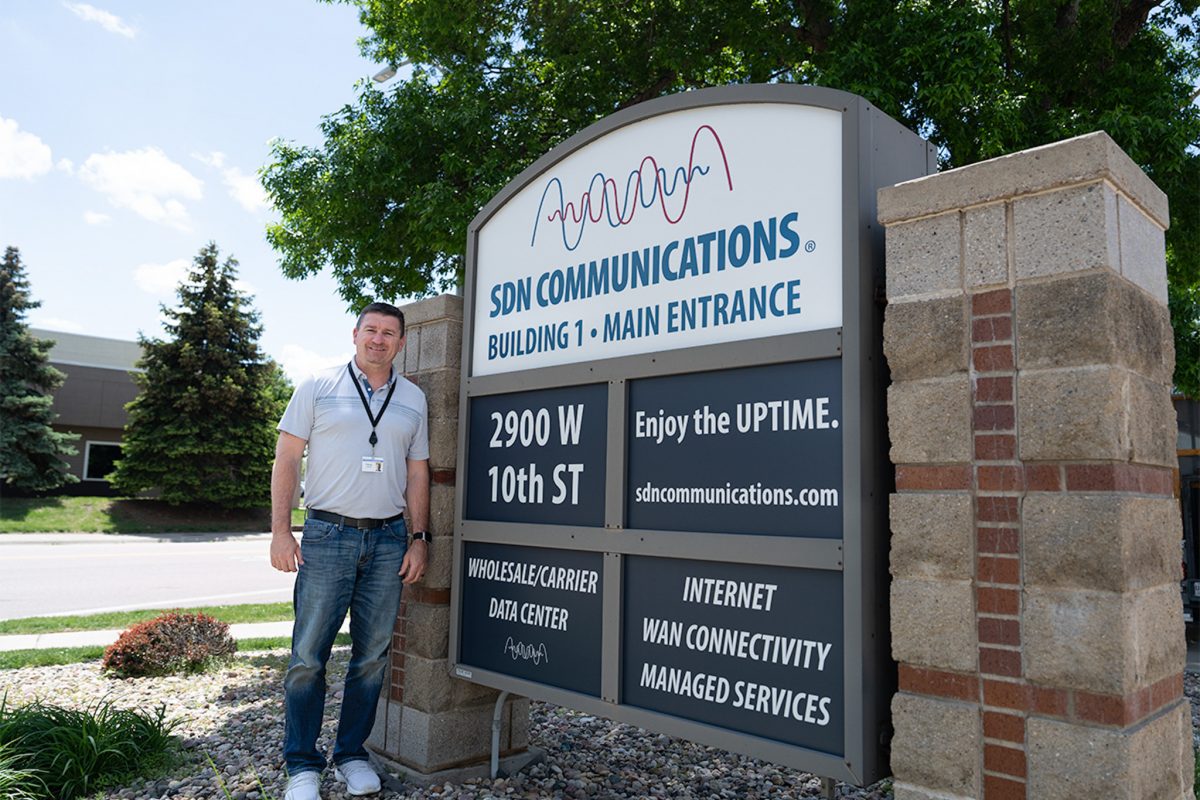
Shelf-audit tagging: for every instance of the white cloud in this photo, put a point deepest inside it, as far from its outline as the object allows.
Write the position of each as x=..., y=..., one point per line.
x=145, y=181
x=105, y=19
x=299, y=363
x=96, y=218
x=161, y=280
x=243, y=188
x=214, y=159
x=56, y=324
x=22, y=155
x=65, y=165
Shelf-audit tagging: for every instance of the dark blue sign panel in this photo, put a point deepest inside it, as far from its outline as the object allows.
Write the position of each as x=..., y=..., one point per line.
x=750, y=648
x=538, y=456
x=755, y=450
x=533, y=613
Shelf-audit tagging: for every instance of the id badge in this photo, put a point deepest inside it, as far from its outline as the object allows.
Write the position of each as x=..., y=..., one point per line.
x=372, y=464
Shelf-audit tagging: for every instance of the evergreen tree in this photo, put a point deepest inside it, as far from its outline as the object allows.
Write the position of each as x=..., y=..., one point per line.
x=202, y=430
x=31, y=452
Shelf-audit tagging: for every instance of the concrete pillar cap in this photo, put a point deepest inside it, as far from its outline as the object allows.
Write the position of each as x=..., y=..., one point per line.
x=1083, y=159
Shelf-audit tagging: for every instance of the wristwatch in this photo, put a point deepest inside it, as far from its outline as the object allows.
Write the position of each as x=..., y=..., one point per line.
x=422, y=536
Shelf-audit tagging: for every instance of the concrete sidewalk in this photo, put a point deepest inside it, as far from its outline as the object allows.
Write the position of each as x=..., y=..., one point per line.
x=39, y=641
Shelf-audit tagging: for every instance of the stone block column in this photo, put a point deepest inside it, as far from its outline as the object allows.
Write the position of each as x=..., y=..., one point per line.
x=1035, y=610
x=429, y=724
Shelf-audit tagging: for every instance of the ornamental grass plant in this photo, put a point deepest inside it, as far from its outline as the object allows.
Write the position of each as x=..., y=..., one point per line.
x=49, y=751
x=16, y=783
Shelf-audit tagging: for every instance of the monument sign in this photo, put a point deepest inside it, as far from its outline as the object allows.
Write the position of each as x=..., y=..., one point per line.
x=674, y=510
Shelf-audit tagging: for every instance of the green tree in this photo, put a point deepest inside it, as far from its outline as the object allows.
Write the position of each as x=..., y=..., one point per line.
x=202, y=429
x=385, y=202
x=279, y=392
x=31, y=452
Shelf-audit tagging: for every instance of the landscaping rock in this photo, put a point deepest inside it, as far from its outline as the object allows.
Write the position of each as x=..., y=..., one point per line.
x=235, y=718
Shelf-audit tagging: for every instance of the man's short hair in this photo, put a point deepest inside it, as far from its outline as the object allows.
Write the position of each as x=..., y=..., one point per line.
x=381, y=308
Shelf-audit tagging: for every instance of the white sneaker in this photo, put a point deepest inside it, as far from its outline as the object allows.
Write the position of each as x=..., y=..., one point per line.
x=358, y=776
x=304, y=786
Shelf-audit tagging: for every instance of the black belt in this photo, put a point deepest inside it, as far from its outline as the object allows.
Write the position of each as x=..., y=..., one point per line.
x=350, y=522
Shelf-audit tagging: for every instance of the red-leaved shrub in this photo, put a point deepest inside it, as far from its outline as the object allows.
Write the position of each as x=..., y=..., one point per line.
x=168, y=644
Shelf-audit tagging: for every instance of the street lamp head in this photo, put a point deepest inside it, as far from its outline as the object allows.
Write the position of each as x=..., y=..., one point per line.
x=389, y=72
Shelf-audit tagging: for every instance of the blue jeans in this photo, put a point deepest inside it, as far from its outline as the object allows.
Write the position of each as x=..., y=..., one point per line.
x=344, y=568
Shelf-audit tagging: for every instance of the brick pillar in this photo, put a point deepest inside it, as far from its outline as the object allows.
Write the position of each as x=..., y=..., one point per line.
x=1035, y=536
x=433, y=726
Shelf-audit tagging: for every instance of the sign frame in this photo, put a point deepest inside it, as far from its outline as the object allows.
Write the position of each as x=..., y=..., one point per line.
x=876, y=152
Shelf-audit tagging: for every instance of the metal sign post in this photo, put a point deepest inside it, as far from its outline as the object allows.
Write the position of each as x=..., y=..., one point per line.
x=672, y=509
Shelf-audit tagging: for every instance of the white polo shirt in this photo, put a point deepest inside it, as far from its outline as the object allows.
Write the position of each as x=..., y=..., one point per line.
x=326, y=411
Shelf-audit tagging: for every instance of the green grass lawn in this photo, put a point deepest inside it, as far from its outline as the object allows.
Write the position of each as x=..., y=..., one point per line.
x=253, y=612
x=54, y=656
x=115, y=515
x=16, y=659
x=49, y=656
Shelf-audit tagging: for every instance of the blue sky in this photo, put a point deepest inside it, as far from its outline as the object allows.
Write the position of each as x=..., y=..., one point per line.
x=131, y=134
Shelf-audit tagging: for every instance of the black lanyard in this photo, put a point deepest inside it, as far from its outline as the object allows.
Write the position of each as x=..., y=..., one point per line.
x=367, y=405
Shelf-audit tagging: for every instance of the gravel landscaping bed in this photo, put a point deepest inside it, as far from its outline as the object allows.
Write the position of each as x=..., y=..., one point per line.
x=235, y=718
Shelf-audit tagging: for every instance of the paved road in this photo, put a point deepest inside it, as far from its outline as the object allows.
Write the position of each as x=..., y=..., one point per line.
x=43, y=574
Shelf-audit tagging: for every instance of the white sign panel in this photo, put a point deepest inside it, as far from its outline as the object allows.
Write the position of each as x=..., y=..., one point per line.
x=697, y=227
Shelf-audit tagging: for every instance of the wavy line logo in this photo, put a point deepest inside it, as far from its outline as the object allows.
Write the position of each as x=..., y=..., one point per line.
x=645, y=187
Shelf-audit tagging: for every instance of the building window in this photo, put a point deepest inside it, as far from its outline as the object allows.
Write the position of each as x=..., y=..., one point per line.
x=99, y=458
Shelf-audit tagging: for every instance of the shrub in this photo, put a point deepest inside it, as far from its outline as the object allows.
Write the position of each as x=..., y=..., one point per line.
x=62, y=753
x=170, y=643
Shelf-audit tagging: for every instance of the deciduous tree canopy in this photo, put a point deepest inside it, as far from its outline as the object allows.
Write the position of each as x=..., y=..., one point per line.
x=385, y=201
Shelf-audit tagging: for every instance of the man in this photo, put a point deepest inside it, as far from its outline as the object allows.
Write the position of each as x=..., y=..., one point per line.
x=366, y=430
